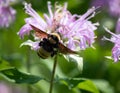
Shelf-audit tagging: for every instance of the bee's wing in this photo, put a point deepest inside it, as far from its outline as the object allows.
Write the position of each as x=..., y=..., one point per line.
x=63, y=49
x=39, y=33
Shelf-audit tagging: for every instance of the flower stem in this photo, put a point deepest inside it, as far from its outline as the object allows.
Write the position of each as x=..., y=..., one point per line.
x=28, y=66
x=53, y=73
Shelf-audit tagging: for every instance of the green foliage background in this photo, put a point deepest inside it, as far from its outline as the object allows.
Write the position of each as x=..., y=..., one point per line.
x=101, y=71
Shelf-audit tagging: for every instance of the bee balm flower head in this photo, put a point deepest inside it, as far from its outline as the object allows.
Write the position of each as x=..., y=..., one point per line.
x=7, y=13
x=116, y=49
x=118, y=26
x=76, y=31
x=114, y=6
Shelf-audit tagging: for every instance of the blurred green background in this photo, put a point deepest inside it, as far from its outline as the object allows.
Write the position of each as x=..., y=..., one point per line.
x=104, y=72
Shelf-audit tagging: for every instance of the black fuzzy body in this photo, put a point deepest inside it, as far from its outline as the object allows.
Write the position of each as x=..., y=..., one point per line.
x=49, y=45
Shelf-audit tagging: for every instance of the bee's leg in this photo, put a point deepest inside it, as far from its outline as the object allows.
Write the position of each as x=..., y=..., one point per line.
x=54, y=52
x=41, y=43
x=55, y=46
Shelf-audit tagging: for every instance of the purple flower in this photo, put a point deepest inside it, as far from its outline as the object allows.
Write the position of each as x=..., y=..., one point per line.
x=118, y=26
x=4, y=88
x=76, y=31
x=99, y=3
x=114, y=6
x=7, y=13
x=116, y=40
x=33, y=45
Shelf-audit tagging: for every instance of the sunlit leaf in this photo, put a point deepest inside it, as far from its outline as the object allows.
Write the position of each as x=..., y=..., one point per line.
x=20, y=77
x=4, y=65
x=81, y=83
x=88, y=85
x=71, y=82
x=77, y=59
x=103, y=86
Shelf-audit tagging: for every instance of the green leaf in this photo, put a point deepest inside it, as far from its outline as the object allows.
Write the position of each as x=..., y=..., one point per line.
x=104, y=86
x=20, y=77
x=75, y=58
x=13, y=74
x=71, y=82
x=4, y=65
x=80, y=83
x=88, y=85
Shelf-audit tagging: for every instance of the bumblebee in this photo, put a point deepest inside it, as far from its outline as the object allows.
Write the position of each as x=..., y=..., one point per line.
x=49, y=44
